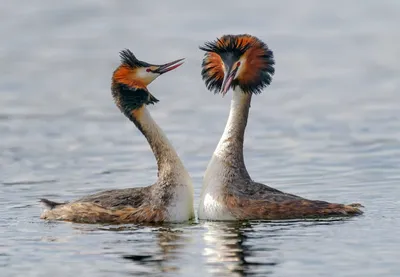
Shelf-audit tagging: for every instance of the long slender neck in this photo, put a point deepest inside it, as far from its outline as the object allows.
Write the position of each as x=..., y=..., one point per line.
x=168, y=161
x=230, y=146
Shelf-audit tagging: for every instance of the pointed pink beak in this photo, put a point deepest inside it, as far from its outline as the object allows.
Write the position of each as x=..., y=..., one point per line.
x=168, y=66
x=226, y=84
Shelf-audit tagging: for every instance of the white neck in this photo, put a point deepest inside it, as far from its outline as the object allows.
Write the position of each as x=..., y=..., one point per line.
x=168, y=161
x=227, y=163
x=230, y=146
x=171, y=172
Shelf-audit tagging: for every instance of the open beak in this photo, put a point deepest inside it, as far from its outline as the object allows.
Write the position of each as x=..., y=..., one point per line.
x=168, y=66
x=226, y=84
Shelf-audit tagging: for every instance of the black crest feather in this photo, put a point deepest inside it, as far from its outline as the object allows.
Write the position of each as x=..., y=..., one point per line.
x=227, y=44
x=127, y=57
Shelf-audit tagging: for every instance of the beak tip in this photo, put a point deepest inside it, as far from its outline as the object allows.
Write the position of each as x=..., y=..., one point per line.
x=170, y=66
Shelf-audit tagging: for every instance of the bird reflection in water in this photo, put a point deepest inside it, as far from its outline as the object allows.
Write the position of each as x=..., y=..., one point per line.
x=250, y=248
x=154, y=249
x=234, y=248
x=227, y=252
x=169, y=242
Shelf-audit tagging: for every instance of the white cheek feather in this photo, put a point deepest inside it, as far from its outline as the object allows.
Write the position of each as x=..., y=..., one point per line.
x=141, y=73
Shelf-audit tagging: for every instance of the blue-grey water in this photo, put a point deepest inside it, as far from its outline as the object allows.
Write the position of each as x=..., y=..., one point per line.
x=327, y=128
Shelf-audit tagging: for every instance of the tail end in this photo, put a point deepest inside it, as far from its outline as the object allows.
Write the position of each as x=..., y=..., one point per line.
x=50, y=204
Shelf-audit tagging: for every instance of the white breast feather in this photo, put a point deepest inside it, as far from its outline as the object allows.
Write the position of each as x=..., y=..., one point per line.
x=181, y=207
x=211, y=205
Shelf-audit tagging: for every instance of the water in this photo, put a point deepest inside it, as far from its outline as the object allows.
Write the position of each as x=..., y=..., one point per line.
x=327, y=128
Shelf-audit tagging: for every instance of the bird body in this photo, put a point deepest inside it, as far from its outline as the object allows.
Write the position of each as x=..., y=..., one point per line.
x=170, y=198
x=245, y=64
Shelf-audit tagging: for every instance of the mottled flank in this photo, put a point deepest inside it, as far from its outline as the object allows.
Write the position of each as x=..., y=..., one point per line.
x=246, y=199
x=92, y=213
x=286, y=208
x=134, y=205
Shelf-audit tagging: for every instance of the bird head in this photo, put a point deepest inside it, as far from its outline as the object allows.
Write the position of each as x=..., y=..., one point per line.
x=138, y=73
x=237, y=60
x=130, y=80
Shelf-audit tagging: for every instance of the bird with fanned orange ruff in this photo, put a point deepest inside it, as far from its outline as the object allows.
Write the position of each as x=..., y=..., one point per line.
x=170, y=199
x=246, y=64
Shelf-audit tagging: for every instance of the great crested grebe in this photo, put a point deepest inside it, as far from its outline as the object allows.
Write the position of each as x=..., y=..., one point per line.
x=170, y=199
x=246, y=64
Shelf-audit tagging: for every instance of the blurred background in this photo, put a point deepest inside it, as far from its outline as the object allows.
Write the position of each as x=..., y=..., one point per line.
x=327, y=128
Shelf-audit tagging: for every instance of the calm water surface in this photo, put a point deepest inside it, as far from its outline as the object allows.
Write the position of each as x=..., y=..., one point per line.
x=327, y=128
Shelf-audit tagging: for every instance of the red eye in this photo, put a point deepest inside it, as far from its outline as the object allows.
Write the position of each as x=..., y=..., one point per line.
x=148, y=70
x=238, y=64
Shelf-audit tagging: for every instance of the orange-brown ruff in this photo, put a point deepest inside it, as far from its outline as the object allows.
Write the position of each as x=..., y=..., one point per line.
x=171, y=197
x=245, y=64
